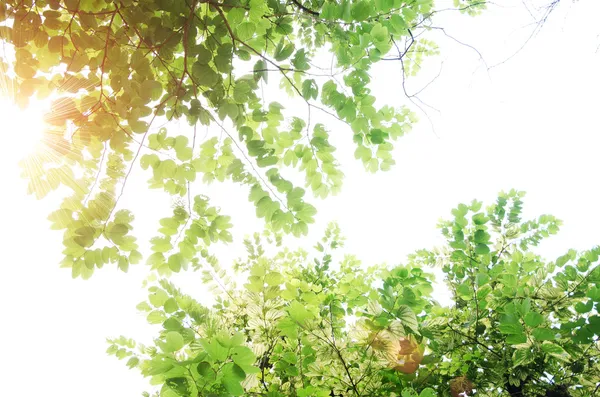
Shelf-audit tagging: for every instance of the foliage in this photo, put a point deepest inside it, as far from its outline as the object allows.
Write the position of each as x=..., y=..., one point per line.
x=518, y=325
x=116, y=69
x=518, y=322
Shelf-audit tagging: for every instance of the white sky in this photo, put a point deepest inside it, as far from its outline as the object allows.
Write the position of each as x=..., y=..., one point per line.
x=529, y=124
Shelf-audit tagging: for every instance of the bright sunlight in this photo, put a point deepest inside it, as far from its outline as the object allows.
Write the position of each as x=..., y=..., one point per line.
x=23, y=130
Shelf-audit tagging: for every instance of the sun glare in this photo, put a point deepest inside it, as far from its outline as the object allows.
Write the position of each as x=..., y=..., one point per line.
x=22, y=130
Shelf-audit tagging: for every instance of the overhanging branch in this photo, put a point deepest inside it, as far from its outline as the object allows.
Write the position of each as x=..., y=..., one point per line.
x=305, y=9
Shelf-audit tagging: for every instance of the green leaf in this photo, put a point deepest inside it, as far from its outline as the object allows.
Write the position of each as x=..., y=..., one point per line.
x=170, y=305
x=123, y=263
x=594, y=293
x=408, y=318
x=158, y=298
x=159, y=366
x=398, y=24
x=214, y=349
x=533, y=319
x=481, y=237
x=242, y=356
x=307, y=213
x=300, y=229
x=156, y=317
x=178, y=384
x=236, y=16
x=581, y=307
x=205, y=369
x=377, y=136
x=156, y=259
x=172, y=324
x=233, y=374
x=542, y=334
x=153, y=88
x=245, y=30
x=381, y=38
x=428, y=392
x=555, y=350
x=510, y=325
x=522, y=357
x=138, y=126
x=204, y=75
x=282, y=52
x=361, y=10
x=274, y=279
x=135, y=257
x=300, y=60
x=143, y=307
x=133, y=362
x=173, y=342
x=310, y=89
x=516, y=339
x=174, y=263
x=85, y=236
x=480, y=219
x=299, y=313
x=260, y=71
x=482, y=249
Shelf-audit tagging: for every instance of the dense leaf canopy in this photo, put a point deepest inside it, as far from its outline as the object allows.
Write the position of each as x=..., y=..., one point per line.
x=327, y=325
x=118, y=71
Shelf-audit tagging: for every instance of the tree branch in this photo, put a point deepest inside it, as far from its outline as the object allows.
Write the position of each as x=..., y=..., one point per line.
x=305, y=9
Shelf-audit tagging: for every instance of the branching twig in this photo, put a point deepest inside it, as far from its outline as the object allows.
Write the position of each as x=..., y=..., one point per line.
x=476, y=341
x=97, y=175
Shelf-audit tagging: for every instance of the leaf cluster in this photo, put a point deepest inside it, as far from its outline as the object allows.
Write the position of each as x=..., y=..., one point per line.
x=326, y=325
x=116, y=72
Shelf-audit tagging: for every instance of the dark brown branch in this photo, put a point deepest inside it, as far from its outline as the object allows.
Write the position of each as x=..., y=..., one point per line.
x=226, y=22
x=305, y=9
x=346, y=368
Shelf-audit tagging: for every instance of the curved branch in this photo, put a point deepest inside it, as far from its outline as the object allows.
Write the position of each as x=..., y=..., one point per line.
x=305, y=9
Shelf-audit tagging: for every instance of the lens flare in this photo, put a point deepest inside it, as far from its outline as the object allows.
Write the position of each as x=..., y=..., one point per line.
x=22, y=130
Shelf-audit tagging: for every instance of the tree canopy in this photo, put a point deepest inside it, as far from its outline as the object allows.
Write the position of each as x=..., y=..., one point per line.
x=323, y=324
x=254, y=80
x=118, y=71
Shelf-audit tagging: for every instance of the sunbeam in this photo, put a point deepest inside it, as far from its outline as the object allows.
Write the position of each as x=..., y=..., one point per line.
x=22, y=130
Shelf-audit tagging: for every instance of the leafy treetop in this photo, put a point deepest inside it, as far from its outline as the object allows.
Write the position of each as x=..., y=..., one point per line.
x=114, y=69
x=518, y=325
